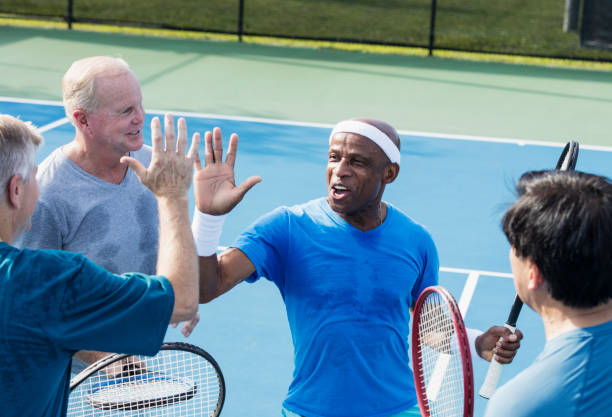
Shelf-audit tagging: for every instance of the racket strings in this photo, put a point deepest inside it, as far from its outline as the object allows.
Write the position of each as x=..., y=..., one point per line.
x=172, y=383
x=440, y=359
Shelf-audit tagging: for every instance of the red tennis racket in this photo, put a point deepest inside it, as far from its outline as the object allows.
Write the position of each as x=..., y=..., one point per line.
x=441, y=356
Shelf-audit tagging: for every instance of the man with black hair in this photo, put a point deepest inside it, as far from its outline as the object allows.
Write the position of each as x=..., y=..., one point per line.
x=560, y=232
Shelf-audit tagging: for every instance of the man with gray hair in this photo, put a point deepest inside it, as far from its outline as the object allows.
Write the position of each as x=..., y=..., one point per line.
x=55, y=303
x=90, y=201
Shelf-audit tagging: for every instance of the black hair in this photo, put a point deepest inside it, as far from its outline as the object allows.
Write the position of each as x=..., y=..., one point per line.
x=562, y=221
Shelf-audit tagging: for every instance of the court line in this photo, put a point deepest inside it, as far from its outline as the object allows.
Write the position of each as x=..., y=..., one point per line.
x=468, y=292
x=477, y=271
x=53, y=125
x=433, y=135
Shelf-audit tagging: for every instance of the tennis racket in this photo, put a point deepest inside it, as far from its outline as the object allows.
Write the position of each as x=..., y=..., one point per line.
x=567, y=162
x=181, y=380
x=441, y=356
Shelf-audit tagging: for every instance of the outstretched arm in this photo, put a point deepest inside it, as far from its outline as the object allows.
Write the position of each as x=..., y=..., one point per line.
x=216, y=194
x=169, y=177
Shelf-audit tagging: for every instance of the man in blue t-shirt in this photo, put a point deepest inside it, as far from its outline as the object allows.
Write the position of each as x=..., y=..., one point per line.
x=349, y=268
x=54, y=303
x=560, y=232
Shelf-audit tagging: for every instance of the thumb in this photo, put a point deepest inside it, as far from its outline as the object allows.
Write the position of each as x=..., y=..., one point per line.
x=247, y=185
x=136, y=166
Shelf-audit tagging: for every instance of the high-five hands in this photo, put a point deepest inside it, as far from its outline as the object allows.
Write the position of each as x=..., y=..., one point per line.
x=169, y=173
x=214, y=185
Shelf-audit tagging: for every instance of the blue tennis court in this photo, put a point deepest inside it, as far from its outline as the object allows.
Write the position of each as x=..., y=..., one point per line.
x=457, y=186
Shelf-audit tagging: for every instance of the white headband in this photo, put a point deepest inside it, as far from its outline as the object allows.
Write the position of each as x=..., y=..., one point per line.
x=375, y=135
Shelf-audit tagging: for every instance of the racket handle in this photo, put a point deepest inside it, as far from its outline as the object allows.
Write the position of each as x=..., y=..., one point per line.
x=490, y=383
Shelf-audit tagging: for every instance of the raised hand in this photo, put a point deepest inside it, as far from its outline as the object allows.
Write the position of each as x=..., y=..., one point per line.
x=214, y=185
x=169, y=173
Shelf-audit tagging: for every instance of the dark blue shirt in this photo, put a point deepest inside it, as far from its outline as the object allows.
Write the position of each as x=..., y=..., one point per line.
x=54, y=303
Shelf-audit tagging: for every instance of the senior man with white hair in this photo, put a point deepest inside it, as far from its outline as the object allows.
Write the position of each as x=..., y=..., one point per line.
x=90, y=202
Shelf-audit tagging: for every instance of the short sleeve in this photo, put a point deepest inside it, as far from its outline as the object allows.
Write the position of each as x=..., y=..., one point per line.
x=101, y=311
x=265, y=243
x=430, y=266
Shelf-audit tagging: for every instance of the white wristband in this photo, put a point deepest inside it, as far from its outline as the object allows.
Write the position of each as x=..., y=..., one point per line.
x=472, y=334
x=206, y=230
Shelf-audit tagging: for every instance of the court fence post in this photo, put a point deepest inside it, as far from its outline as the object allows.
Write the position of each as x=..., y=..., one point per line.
x=70, y=17
x=240, y=20
x=432, y=27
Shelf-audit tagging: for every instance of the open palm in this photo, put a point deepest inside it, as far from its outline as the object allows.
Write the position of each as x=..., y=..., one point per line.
x=214, y=185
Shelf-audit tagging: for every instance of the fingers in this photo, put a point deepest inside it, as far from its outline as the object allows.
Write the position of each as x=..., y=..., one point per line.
x=194, y=151
x=188, y=326
x=507, y=346
x=157, y=140
x=230, y=159
x=169, y=132
x=213, y=148
x=135, y=165
x=181, y=144
x=247, y=185
x=209, y=158
x=218, y=145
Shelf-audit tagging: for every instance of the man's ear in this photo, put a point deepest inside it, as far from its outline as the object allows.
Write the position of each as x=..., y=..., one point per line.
x=390, y=173
x=535, y=276
x=80, y=118
x=15, y=190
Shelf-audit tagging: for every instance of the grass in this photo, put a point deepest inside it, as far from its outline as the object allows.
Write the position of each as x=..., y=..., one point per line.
x=508, y=27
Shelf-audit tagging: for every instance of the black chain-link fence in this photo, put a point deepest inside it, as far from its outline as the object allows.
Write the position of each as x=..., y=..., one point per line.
x=516, y=27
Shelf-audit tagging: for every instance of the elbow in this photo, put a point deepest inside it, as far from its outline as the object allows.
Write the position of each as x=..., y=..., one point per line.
x=206, y=296
x=185, y=309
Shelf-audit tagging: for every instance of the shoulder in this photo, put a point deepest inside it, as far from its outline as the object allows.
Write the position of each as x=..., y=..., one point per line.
x=43, y=266
x=53, y=167
x=406, y=225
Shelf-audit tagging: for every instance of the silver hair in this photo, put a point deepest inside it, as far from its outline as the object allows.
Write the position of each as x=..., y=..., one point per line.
x=78, y=83
x=18, y=144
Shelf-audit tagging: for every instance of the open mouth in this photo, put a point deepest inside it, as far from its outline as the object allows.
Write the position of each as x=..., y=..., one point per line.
x=339, y=191
x=134, y=132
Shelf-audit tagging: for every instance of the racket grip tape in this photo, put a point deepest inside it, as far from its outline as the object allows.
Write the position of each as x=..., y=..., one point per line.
x=492, y=378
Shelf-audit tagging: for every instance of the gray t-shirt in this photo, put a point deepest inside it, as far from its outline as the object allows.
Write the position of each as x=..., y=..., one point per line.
x=116, y=226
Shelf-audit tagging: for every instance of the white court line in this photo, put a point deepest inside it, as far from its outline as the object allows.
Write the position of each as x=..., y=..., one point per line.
x=432, y=135
x=468, y=292
x=53, y=125
x=31, y=101
x=479, y=272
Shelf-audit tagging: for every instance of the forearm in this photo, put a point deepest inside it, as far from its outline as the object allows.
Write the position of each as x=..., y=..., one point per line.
x=177, y=258
x=209, y=280
x=221, y=273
